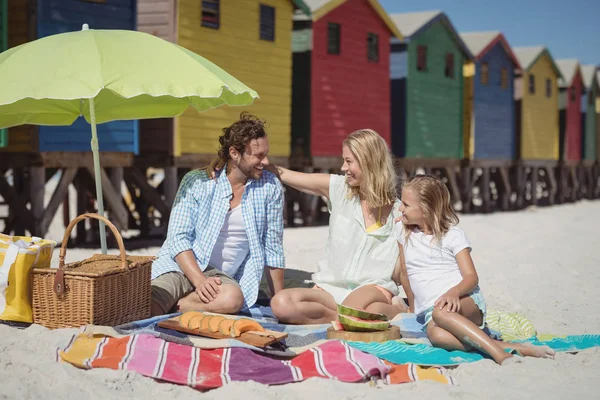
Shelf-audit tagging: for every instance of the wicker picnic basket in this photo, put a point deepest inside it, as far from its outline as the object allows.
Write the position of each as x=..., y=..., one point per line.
x=101, y=290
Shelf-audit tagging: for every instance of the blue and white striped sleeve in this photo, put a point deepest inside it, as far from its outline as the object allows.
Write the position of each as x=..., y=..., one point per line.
x=182, y=222
x=274, y=255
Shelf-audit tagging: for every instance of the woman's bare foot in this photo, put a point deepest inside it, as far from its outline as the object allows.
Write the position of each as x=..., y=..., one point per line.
x=399, y=301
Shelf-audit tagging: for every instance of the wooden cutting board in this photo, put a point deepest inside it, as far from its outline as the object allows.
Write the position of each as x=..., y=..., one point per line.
x=254, y=338
x=392, y=333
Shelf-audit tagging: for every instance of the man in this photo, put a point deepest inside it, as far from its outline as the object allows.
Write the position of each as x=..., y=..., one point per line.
x=223, y=232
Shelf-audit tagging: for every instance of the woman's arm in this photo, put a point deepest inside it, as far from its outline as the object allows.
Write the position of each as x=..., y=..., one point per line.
x=403, y=277
x=310, y=183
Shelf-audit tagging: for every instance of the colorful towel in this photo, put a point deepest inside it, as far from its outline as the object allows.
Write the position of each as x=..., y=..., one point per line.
x=399, y=352
x=207, y=369
x=512, y=326
x=413, y=331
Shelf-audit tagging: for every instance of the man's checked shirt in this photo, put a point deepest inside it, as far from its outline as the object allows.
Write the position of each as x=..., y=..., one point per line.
x=199, y=212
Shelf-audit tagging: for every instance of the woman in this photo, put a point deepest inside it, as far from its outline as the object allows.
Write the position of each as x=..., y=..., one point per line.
x=362, y=266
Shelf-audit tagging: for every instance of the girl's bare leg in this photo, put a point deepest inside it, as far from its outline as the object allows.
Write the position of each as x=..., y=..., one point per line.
x=370, y=299
x=304, y=306
x=460, y=331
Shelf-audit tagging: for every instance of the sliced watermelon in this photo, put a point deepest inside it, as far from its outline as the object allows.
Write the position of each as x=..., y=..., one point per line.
x=337, y=326
x=355, y=324
x=362, y=314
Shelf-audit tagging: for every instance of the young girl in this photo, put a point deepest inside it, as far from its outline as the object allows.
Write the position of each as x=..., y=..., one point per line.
x=438, y=274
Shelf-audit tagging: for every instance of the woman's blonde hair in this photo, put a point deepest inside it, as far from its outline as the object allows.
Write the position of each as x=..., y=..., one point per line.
x=433, y=198
x=378, y=186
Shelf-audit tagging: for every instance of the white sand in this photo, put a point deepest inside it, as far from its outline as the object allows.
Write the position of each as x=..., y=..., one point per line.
x=543, y=263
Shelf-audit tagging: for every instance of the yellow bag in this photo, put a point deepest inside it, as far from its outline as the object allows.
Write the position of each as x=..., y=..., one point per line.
x=18, y=256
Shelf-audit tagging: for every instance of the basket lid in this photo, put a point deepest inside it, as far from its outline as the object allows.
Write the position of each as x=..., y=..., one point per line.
x=103, y=264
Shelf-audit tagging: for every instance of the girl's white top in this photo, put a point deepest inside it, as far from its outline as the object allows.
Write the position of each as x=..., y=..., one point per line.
x=354, y=257
x=431, y=266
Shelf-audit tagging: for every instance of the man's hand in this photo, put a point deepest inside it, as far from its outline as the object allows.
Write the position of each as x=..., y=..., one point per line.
x=208, y=290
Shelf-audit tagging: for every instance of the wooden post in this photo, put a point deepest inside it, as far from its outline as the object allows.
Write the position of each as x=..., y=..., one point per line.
x=507, y=191
x=562, y=184
x=534, y=181
x=550, y=172
x=57, y=198
x=454, y=190
x=82, y=202
x=116, y=178
x=574, y=183
x=520, y=178
x=485, y=190
x=37, y=185
x=170, y=185
x=467, y=184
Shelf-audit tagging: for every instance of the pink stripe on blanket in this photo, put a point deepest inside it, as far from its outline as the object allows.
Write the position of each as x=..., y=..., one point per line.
x=146, y=355
x=346, y=364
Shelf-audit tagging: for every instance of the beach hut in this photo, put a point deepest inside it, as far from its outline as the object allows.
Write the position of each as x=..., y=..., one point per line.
x=590, y=117
x=427, y=94
x=569, y=104
x=537, y=127
x=251, y=40
x=490, y=134
x=28, y=21
x=3, y=46
x=589, y=110
x=427, y=87
x=598, y=118
x=340, y=76
x=569, y=118
x=489, y=117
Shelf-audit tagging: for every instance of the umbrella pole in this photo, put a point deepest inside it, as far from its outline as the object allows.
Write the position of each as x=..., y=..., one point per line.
x=98, y=176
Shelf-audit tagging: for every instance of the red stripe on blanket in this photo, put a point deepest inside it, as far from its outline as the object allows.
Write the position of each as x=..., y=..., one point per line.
x=177, y=364
x=210, y=369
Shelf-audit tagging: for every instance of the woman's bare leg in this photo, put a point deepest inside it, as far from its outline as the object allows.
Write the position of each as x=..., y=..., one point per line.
x=460, y=331
x=303, y=306
x=370, y=299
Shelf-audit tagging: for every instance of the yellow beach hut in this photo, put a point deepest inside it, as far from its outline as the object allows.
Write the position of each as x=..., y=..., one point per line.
x=250, y=39
x=536, y=96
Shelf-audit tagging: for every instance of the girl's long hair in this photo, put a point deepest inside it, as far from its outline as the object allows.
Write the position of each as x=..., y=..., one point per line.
x=378, y=186
x=433, y=198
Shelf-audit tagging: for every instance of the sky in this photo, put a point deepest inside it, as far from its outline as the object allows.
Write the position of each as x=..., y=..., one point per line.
x=570, y=29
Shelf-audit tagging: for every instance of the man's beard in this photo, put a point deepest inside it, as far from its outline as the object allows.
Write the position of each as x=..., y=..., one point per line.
x=249, y=172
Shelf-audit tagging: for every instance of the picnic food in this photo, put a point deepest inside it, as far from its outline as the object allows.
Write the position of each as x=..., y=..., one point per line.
x=355, y=324
x=362, y=314
x=184, y=319
x=218, y=324
x=355, y=320
x=244, y=325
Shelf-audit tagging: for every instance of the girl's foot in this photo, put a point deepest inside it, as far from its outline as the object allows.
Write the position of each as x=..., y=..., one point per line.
x=531, y=350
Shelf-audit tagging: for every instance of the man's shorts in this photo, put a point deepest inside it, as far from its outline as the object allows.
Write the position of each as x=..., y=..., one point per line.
x=168, y=288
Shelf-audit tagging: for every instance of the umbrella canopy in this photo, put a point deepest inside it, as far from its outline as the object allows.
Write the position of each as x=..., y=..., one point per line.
x=107, y=75
x=129, y=74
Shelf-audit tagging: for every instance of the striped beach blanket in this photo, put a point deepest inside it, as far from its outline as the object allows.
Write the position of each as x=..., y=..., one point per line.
x=211, y=368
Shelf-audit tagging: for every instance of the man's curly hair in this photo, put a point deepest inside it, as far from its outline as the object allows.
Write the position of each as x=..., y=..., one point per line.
x=240, y=133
